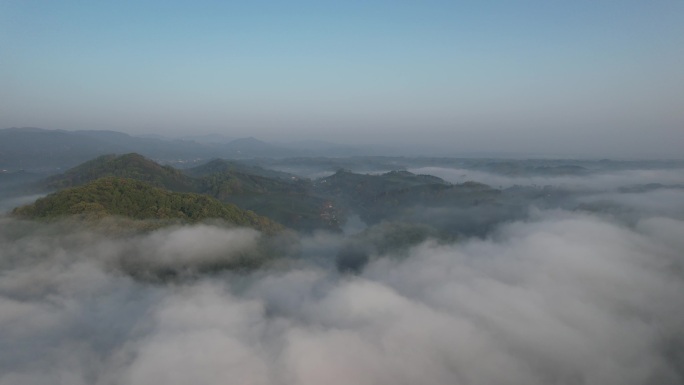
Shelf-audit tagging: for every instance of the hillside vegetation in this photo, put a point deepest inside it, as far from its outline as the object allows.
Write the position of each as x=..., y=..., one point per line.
x=277, y=195
x=132, y=166
x=113, y=196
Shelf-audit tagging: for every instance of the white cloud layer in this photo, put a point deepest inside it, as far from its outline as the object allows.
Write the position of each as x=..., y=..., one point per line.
x=561, y=298
x=599, y=181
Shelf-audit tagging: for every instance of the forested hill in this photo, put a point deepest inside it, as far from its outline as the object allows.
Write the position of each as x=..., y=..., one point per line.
x=113, y=196
x=284, y=197
x=359, y=188
x=133, y=166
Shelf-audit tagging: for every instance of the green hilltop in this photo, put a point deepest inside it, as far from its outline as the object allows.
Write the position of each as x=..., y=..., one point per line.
x=283, y=197
x=130, y=198
x=132, y=166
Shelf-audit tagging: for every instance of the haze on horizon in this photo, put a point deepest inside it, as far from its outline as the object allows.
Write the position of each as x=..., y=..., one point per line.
x=581, y=78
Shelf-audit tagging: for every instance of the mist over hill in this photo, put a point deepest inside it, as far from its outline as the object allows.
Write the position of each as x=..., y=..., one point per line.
x=393, y=270
x=341, y=192
x=284, y=197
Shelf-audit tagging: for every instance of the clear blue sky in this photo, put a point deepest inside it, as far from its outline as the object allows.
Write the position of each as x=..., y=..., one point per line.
x=576, y=77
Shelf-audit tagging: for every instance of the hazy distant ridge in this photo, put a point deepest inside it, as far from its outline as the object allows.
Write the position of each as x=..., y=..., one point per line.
x=42, y=149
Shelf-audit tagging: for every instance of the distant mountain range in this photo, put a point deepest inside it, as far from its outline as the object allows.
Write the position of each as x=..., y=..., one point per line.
x=40, y=149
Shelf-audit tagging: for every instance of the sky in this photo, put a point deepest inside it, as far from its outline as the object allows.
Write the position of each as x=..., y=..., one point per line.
x=557, y=78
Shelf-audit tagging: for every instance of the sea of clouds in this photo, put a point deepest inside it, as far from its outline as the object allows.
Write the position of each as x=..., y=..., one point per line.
x=555, y=297
x=563, y=298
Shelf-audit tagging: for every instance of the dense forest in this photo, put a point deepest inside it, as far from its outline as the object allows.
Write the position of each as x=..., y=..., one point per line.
x=139, y=200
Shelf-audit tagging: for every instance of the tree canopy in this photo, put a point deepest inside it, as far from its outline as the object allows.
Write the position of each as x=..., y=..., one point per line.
x=113, y=196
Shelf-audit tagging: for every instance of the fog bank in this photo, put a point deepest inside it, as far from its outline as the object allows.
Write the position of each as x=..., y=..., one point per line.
x=560, y=298
x=597, y=181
